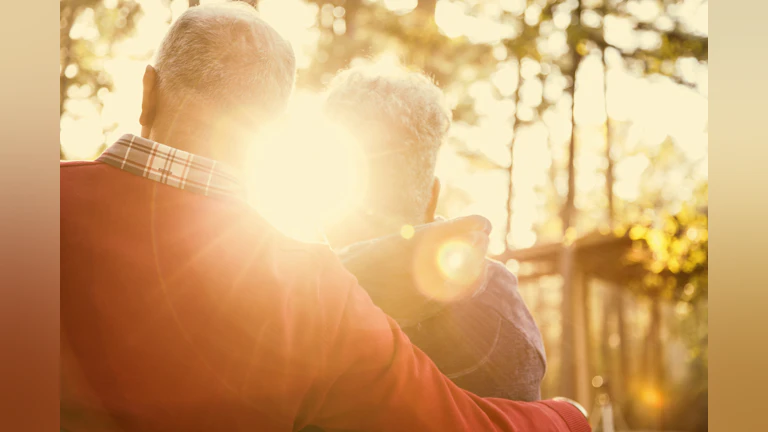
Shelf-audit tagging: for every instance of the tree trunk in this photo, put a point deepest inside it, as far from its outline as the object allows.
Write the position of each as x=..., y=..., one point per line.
x=568, y=377
x=427, y=6
x=609, y=308
x=609, y=179
x=510, y=170
x=625, y=371
x=510, y=192
x=574, y=378
x=655, y=372
x=620, y=385
x=350, y=17
x=568, y=207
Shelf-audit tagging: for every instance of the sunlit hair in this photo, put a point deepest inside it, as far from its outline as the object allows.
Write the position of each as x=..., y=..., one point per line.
x=401, y=118
x=225, y=55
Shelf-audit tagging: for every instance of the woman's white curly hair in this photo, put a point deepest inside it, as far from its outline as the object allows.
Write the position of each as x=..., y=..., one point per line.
x=400, y=118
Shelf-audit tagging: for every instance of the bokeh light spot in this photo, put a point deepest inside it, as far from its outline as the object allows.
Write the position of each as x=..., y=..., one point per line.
x=457, y=261
x=407, y=231
x=652, y=397
x=597, y=381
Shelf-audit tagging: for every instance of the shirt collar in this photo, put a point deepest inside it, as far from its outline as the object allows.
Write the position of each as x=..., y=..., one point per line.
x=174, y=167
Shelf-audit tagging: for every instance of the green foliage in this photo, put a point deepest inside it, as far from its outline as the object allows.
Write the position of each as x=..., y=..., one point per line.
x=87, y=53
x=674, y=251
x=370, y=29
x=82, y=57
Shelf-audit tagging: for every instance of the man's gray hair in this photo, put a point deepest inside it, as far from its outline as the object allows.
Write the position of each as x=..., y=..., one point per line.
x=401, y=118
x=224, y=54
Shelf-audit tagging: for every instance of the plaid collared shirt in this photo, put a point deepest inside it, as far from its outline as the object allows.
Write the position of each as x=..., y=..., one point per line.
x=173, y=167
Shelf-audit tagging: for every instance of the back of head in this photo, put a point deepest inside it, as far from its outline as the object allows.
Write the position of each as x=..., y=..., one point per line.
x=400, y=117
x=225, y=56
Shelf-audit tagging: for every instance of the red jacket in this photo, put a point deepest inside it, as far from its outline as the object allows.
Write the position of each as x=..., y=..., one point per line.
x=181, y=312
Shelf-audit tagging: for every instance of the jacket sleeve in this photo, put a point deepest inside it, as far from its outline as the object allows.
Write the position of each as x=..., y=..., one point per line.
x=373, y=378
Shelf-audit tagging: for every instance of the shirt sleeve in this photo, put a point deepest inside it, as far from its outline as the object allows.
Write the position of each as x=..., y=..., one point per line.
x=488, y=344
x=373, y=378
x=519, y=351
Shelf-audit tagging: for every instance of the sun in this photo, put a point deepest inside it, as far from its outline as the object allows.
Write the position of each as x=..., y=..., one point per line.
x=306, y=171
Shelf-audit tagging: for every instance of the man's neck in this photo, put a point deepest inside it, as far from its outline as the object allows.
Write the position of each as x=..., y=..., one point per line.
x=202, y=143
x=371, y=231
x=205, y=130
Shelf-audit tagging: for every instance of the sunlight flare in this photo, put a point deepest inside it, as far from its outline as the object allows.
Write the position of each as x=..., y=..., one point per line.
x=306, y=172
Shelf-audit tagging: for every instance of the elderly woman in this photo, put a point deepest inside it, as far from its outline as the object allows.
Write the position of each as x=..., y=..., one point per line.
x=486, y=342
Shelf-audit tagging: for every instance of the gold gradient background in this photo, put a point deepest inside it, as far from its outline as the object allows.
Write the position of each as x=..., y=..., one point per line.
x=29, y=224
x=738, y=146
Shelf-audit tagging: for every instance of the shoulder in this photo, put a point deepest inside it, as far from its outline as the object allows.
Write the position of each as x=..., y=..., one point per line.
x=499, y=273
x=232, y=245
x=77, y=163
x=83, y=171
x=503, y=295
x=296, y=262
x=254, y=230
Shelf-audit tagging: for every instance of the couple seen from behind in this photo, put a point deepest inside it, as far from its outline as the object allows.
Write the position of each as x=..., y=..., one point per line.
x=183, y=309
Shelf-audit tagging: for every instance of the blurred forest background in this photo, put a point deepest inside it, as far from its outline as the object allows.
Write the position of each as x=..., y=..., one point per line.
x=580, y=131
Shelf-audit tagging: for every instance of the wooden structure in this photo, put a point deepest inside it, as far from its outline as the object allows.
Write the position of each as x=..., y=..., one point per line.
x=593, y=257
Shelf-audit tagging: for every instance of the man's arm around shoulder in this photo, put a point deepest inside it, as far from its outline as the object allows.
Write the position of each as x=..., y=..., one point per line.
x=377, y=380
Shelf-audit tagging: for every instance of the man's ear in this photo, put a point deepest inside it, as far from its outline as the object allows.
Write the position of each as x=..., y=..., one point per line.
x=148, y=101
x=432, y=207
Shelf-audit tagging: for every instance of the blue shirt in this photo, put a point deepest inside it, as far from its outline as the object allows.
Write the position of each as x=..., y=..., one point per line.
x=488, y=344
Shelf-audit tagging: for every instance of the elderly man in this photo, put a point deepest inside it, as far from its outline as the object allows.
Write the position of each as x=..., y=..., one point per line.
x=183, y=310
x=487, y=343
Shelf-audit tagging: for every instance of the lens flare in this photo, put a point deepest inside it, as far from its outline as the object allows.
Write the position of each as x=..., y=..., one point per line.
x=459, y=262
x=652, y=397
x=450, y=271
x=407, y=231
